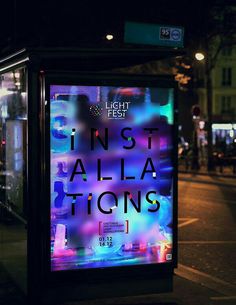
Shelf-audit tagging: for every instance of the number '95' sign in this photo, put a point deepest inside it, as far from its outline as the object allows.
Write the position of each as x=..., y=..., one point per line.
x=171, y=34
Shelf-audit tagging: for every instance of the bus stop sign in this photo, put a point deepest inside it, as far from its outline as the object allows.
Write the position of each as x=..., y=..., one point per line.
x=153, y=34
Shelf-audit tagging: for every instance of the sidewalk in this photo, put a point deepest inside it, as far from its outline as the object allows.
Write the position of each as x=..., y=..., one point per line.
x=228, y=181
x=227, y=171
x=186, y=292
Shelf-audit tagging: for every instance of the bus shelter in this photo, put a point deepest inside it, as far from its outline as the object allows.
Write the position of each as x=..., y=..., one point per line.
x=88, y=174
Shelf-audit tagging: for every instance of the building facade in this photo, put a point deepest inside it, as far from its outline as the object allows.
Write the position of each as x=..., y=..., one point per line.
x=223, y=77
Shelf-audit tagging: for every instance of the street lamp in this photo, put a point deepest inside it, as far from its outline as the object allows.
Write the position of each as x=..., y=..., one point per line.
x=199, y=56
x=109, y=36
x=196, y=117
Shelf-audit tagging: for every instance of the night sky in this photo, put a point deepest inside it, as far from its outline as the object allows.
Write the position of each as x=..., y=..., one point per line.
x=85, y=23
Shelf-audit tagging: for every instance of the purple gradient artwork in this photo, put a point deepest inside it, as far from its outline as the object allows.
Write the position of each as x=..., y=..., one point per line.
x=111, y=176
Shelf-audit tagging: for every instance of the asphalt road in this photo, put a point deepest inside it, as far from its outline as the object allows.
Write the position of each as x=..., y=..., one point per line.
x=207, y=233
x=208, y=243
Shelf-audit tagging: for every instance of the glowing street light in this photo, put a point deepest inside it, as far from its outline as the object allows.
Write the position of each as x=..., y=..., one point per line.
x=199, y=56
x=109, y=37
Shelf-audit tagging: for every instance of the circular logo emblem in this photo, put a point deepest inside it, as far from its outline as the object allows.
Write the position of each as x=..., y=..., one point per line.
x=175, y=34
x=95, y=110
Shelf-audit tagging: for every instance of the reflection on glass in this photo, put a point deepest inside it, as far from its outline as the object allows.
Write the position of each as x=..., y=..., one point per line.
x=13, y=145
x=13, y=169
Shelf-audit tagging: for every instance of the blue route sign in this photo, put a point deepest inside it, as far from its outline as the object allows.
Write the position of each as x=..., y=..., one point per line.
x=154, y=34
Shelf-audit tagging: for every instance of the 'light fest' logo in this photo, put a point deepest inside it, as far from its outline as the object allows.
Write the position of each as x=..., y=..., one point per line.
x=117, y=110
x=114, y=110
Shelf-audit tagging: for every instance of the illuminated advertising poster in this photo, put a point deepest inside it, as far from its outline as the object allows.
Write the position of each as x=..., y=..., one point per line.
x=111, y=176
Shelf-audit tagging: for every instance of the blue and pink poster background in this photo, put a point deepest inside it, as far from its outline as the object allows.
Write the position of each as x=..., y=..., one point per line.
x=113, y=207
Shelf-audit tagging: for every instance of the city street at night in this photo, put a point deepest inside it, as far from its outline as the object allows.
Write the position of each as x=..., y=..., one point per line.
x=118, y=152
